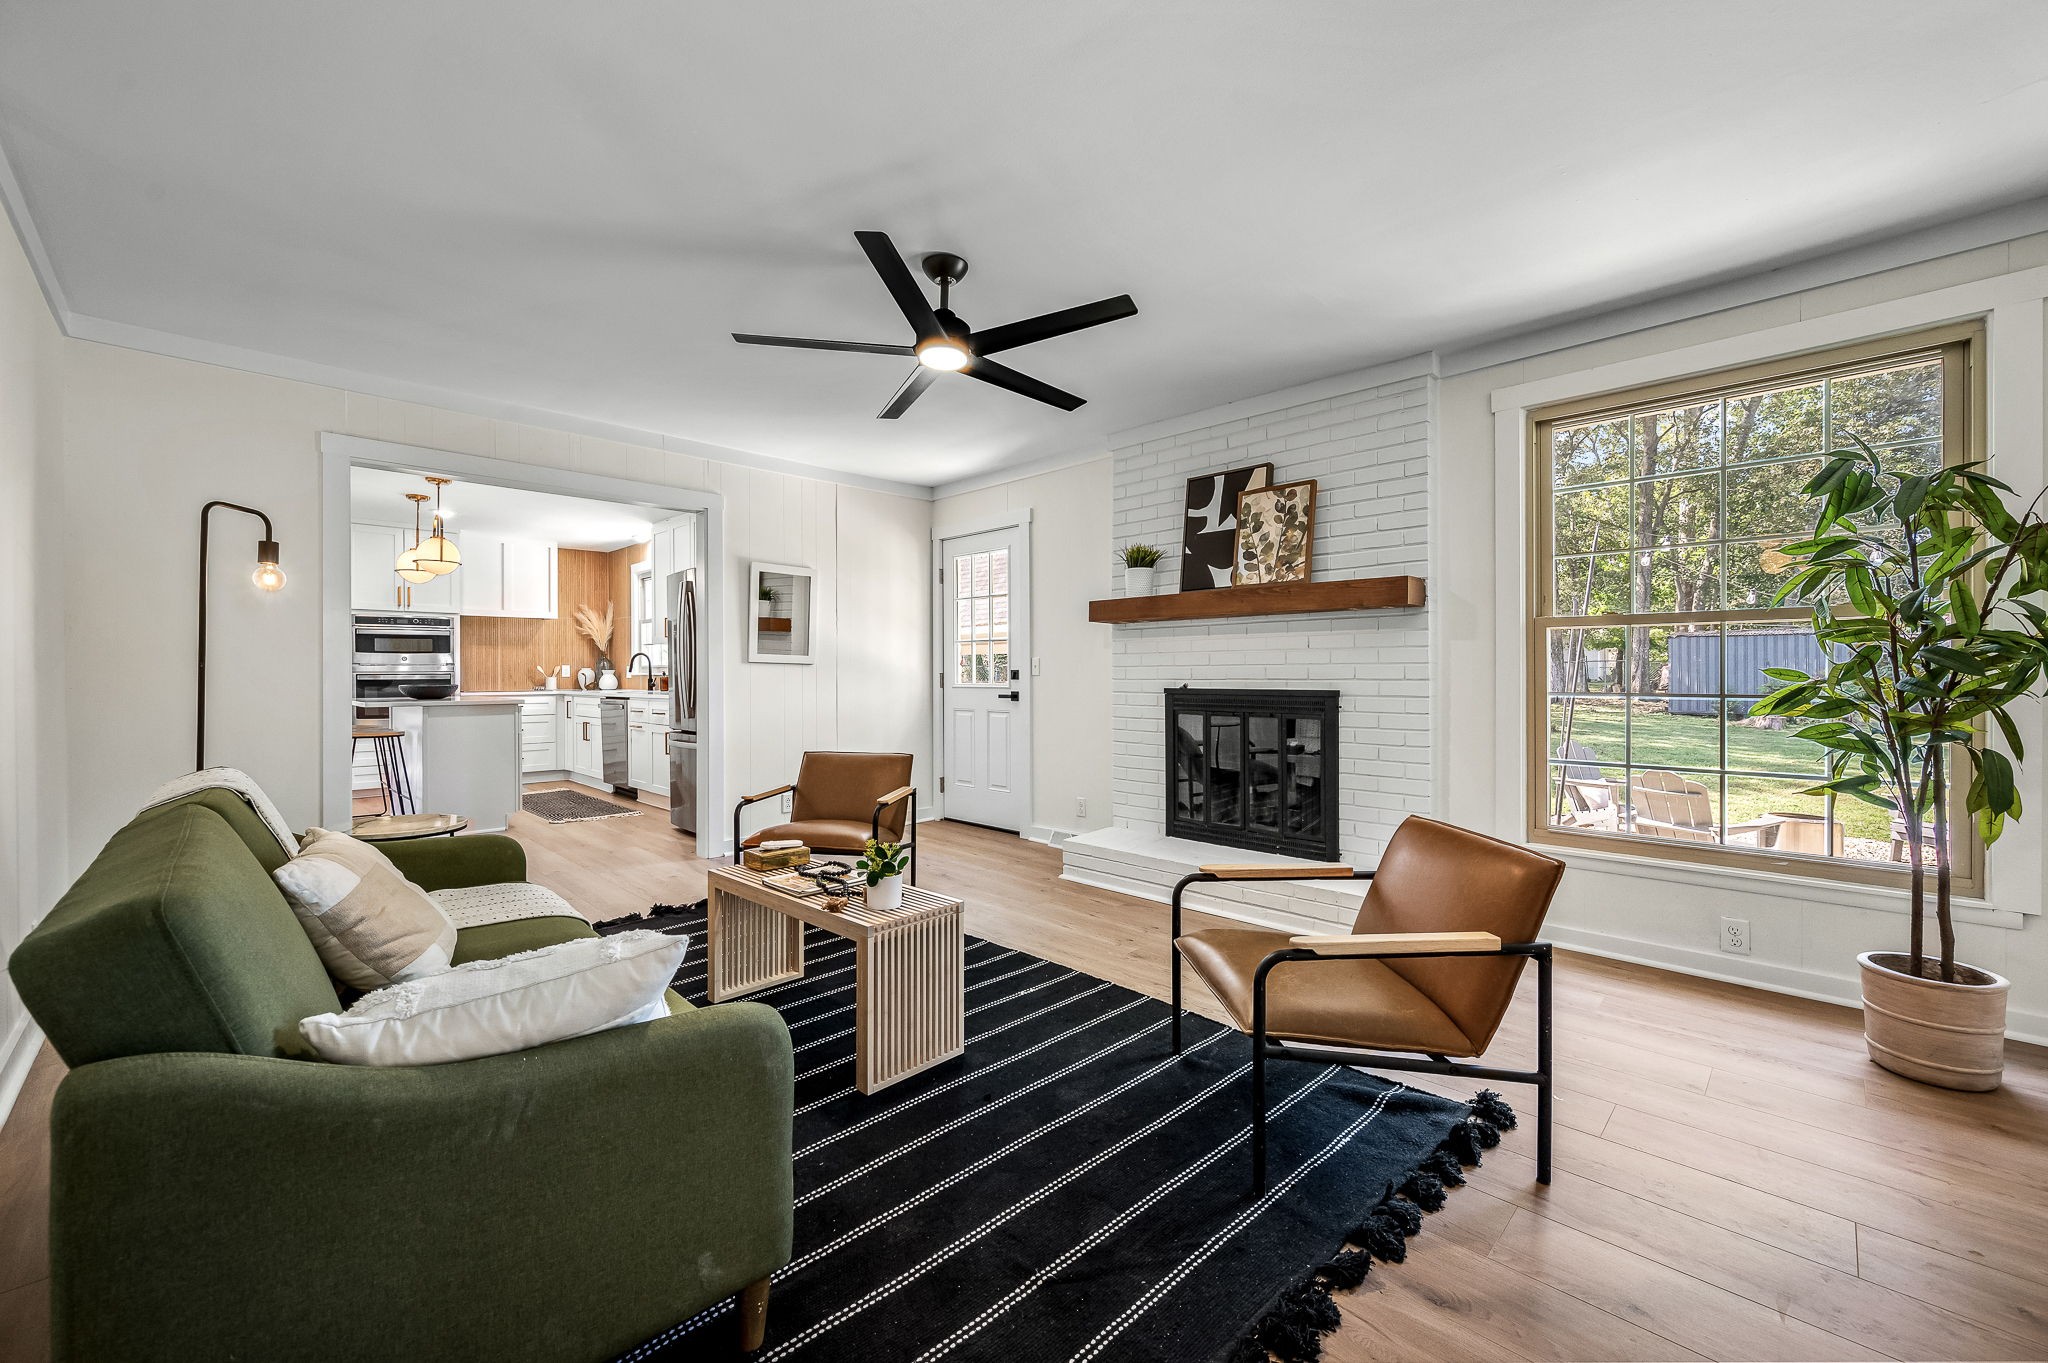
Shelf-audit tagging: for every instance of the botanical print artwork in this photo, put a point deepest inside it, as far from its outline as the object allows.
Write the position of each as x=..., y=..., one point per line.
x=1209, y=541
x=1276, y=533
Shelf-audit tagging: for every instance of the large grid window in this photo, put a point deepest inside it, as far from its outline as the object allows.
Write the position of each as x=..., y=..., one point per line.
x=1659, y=521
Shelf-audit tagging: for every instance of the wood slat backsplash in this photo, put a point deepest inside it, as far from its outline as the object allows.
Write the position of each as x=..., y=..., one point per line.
x=500, y=654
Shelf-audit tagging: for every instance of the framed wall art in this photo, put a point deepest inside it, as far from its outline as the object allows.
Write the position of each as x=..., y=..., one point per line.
x=1209, y=529
x=1276, y=533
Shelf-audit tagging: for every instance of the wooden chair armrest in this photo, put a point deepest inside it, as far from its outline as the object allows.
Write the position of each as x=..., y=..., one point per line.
x=766, y=794
x=1398, y=943
x=900, y=793
x=1316, y=872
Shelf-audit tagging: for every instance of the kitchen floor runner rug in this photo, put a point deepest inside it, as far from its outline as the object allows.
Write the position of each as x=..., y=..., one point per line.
x=571, y=806
x=1067, y=1189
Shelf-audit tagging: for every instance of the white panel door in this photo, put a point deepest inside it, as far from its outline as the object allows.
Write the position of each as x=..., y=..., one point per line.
x=985, y=622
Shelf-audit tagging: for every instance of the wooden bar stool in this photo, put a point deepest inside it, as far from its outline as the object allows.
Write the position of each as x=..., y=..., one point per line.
x=389, y=747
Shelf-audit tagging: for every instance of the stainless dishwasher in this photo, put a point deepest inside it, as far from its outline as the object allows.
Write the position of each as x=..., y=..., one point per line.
x=611, y=738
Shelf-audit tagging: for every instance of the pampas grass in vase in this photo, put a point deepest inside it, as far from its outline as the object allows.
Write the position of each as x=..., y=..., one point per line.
x=599, y=631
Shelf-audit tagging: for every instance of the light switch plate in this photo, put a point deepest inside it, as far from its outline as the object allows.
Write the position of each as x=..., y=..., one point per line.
x=1034, y=667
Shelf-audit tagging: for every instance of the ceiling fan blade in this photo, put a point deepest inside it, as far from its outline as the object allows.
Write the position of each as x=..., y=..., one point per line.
x=888, y=263
x=1002, y=376
x=1048, y=325
x=919, y=380
x=805, y=343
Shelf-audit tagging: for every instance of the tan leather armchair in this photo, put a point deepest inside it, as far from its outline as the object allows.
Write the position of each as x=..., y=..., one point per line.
x=839, y=801
x=1427, y=971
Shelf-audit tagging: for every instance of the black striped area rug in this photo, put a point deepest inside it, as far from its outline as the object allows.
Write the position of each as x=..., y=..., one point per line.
x=1067, y=1189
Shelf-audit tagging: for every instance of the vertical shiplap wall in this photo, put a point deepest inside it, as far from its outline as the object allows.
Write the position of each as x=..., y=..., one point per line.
x=148, y=438
x=32, y=695
x=1369, y=454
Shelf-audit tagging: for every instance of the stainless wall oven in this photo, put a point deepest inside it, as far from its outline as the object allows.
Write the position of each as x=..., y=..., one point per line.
x=390, y=650
x=405, y=643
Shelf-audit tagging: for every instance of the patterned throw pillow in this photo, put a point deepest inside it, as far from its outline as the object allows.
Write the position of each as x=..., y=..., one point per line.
x=370, y=924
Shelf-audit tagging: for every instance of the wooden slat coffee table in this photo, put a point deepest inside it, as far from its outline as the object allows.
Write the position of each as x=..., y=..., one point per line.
x=909, y=967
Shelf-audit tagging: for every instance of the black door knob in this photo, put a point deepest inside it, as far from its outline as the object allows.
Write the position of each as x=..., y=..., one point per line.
x=1009, y=695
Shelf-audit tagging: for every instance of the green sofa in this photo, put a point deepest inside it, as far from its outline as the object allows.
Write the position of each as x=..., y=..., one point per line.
x=216, y=1194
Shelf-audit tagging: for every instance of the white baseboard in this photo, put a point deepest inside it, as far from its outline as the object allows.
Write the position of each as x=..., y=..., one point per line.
x=2021, y=1024
x=18, y=1057
x=1047, y=834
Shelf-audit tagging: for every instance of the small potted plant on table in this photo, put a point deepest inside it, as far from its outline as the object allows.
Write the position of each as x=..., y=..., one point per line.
x=883, y=864
x=1921, y=587
x=1141, y=564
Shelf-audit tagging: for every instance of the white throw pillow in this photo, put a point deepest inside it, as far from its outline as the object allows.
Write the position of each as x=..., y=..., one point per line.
x=371, y=926
x=509, y=1004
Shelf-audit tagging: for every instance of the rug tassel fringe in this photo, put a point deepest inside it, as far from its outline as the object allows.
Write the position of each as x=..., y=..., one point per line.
x=1292, y=1329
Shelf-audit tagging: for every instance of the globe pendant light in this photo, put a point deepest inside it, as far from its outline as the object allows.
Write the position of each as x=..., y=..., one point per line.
x=437, y=553
x=408, y=559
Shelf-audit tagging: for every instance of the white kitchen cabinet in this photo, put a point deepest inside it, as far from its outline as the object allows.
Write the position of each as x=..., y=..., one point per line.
x=508, y=577
x=374, y=583
x=373, y=576
x=540, y=723
x=645, y=767
x=529, y=579
x=583, y=740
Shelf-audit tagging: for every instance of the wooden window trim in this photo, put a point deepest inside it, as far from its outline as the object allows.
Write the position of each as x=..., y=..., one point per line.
x=1960, y=345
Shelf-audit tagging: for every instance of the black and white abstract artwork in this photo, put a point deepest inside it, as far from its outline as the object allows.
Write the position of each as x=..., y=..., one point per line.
x=1209, y=539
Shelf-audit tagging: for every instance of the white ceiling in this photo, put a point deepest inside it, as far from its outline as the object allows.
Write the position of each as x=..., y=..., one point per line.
x=377, y=497
x=569, y=207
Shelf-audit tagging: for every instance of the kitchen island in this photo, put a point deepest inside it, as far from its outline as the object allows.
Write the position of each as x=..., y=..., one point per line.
x=462, y=755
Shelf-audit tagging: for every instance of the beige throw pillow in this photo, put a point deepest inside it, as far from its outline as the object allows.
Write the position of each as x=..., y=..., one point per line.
x=369, y=923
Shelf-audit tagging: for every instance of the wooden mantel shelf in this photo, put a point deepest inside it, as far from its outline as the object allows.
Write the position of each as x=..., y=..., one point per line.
x=1272, y=598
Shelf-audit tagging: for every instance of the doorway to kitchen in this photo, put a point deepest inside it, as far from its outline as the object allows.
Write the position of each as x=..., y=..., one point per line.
x=983, y=590
x=560, y=593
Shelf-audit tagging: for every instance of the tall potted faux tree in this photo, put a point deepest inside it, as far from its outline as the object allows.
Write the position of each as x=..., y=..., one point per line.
x=1921, y=587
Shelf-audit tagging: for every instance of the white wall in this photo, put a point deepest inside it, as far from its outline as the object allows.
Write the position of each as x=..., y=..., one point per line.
x=1805, y=936
x=1070, y=566
x=32, y=700
x=1367, y=448
x=148, y=439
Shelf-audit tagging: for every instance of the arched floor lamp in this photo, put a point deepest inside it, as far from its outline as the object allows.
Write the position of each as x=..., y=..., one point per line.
x=267, y=577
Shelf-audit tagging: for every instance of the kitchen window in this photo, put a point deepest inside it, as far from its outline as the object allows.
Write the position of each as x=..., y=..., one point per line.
x=1658, y=517
x=647, y=615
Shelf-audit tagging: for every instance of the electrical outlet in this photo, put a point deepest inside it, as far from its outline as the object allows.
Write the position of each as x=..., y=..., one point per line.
x=1080, y=806
x=785, y=802
x=1735, y=936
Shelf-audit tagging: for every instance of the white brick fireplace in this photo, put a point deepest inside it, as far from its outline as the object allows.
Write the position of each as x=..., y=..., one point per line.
x=1369, y=452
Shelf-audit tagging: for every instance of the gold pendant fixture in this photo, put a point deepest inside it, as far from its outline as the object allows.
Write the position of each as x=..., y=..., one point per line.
x=408, y=559
x=437, y=554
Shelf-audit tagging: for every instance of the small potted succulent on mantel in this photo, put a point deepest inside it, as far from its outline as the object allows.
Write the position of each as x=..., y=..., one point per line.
x=883, y=863
x=1921, y=586
x=1141, y=564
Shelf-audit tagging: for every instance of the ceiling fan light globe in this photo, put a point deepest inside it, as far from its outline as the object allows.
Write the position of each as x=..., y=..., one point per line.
x=949, y=357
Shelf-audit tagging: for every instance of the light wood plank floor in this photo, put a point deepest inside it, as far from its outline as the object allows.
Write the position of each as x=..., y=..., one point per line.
x=1734, y=1178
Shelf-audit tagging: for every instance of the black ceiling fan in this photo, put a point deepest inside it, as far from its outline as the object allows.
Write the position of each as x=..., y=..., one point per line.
x=945, y=344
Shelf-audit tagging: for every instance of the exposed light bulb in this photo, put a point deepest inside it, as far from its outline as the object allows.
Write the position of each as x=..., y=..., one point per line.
x=947, y=356
x=268, y=576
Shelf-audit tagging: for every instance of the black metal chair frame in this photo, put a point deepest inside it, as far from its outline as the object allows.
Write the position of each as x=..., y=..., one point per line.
x=874, y=826
x=1265, y=1047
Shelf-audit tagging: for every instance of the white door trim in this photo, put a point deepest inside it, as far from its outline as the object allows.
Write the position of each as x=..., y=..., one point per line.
x=1020, y=521
x=338, y=453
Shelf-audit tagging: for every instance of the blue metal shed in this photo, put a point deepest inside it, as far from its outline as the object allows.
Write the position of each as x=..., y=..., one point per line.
x=1695, y=661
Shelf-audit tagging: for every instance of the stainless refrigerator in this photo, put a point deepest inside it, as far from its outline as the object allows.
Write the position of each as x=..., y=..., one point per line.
x=680, y=627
